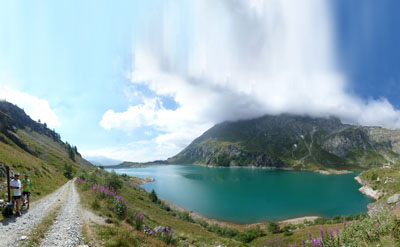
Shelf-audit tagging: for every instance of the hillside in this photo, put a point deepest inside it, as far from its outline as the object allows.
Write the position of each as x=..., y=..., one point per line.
x=30, y=147
x=289, y=141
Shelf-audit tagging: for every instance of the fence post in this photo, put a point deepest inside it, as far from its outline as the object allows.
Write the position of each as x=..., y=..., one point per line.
x=8, y=183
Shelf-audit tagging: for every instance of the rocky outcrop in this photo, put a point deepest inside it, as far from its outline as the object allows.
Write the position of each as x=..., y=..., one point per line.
x=367, y=190
x=343, y=142
x=393, y=199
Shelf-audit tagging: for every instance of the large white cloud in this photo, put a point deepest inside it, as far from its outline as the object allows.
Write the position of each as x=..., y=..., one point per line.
x=229, y=60
x=35, y=107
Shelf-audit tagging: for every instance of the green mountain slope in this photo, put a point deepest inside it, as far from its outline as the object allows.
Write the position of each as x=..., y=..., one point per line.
x=300, y=142
x=30, y=147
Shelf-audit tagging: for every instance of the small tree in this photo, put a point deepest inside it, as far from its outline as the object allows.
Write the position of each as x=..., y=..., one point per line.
x=153, y=196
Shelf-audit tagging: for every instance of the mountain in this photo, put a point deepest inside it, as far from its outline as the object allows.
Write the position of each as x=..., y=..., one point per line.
x=290, y=141
x=31, y=147
x=102, y=161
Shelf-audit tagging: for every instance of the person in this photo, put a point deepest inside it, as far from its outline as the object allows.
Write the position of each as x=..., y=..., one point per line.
x=16, y=186
x=26, y=190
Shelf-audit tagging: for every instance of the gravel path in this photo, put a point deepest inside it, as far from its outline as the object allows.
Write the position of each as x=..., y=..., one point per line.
x=66, y=230
x=16, y=228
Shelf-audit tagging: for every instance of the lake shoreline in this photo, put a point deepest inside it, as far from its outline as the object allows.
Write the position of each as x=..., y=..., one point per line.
x=194, y=215
x=320, y=171
x=139, y=181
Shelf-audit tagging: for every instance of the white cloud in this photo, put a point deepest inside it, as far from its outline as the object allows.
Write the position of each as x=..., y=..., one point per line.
x=229, y=60
x=35, y=107
x=139, y=151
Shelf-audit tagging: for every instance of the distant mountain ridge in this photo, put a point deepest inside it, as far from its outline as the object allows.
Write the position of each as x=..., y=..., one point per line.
x=102, y=160
x=290, y=141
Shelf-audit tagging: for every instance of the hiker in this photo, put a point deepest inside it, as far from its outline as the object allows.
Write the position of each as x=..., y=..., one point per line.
x=16, y=185
x=26, y=190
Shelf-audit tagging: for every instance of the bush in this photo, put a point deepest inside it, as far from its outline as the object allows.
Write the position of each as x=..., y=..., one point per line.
x=223, y=231
x=95, y=204
x=68, y=172
x=136, y=220
x=164, y=206
x=183, y=215
x=250, y=234
x=113, y=180
x=273, y=227
x=119, y=207
x=202, y=222
x=165, y=234
x=321, y=221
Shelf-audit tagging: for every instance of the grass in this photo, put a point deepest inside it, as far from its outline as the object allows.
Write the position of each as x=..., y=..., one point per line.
x=37, y=234
x=186, y=232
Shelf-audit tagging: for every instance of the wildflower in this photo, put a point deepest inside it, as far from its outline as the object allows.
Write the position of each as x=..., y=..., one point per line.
x=289, y=245
x=321, y=233
x=295, y=245
x=330, y=233
x=391, y=208
x=303, y=243
x=94, y=187
x=337, y=230
x=309, y=235
x=344, y=223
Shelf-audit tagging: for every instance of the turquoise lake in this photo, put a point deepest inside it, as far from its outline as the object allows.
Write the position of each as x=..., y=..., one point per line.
x=244, y=195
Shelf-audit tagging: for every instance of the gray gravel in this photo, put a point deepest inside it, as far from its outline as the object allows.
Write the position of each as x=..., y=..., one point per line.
x=66, y=230
x=16, y=228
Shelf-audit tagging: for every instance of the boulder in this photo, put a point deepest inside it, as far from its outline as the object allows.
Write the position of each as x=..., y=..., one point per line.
x=394, y=198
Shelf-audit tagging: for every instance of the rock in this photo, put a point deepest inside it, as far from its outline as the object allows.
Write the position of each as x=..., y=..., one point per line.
x=366, y=190
x=23, y=237
x=394, y=198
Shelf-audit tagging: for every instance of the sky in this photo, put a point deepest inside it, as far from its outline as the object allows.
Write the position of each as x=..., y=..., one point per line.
x=139, y=80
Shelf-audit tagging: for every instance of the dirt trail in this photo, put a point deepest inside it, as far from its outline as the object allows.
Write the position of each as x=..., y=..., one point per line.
x=66, y=229
x=15, y=228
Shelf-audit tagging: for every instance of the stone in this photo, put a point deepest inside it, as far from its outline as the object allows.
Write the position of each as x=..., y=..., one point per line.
x=394, y=198
x=23, y=237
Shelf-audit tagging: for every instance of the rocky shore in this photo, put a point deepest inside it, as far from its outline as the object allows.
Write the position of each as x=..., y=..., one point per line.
x=367, y=190
x=333, y=172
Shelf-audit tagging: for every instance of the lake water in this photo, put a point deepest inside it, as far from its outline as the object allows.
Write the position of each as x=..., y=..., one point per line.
x=243, y=195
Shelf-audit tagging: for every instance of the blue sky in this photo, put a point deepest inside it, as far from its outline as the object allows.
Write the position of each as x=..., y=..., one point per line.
x=138, y=80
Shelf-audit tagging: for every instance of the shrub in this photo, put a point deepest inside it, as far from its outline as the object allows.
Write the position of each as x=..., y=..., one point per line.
x=183, y=215
x=68, y=172
x=250, y=234
x=165, y=206
x=273, y=227
x=136, y=220
x=165, y=234
x=223, y=231
x=114, y=181
x=287, y=230
x=202, y=222
x=119, y=206
x=95, y=204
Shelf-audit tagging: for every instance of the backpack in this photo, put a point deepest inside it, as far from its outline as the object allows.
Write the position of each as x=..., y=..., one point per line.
x=8, y=210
